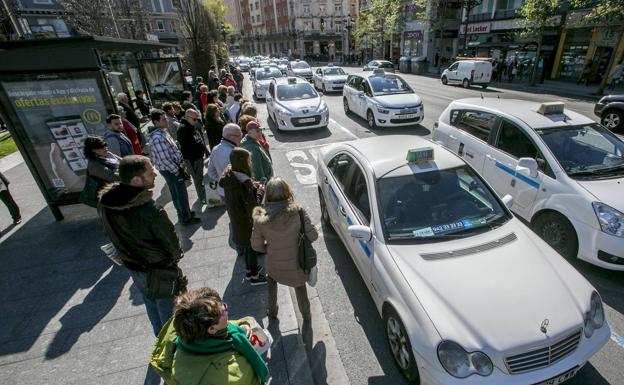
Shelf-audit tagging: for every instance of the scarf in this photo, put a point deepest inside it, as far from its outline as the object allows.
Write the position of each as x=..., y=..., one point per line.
x=236, y=340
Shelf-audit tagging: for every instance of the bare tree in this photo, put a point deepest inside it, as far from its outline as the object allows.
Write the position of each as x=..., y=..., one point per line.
x=131, y=18
x=200, y=35
x=90, y=17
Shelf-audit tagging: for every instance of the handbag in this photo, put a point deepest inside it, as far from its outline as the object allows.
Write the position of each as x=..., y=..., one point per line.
x=165, y=282
x=307, y=254
x=89, y=194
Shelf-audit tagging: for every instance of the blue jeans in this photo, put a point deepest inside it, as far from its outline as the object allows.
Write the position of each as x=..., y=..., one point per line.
x=158, y=310
x=179, y=195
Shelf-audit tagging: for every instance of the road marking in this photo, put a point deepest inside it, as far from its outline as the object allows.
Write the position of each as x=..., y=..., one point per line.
x=295, y=158
x=617, y=339
x=343, y=128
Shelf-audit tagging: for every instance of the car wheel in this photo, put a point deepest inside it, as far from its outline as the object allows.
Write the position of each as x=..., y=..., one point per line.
x=400, y=346
x=345, y=104
x=484, y=86
x=323, y=88
x=324, y=213
x=444, y=80
x=370, y=118
x=612, y=119
x=466, y=83
x=558, y=232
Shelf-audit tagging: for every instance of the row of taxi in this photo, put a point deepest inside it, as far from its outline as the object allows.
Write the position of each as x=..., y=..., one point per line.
x=469, y=294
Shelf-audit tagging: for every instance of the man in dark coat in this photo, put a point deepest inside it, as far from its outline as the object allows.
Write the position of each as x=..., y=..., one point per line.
x=141, y=232
x=6, y=197
x=124, y=102
x=193, y=149
x=143, y=104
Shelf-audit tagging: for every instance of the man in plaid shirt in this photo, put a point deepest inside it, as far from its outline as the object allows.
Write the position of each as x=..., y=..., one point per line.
x=167, y=159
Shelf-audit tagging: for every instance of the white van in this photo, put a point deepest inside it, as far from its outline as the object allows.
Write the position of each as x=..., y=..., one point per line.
x=468, y=72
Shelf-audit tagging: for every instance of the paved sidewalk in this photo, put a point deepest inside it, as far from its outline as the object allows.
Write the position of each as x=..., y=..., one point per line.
x=70, y=316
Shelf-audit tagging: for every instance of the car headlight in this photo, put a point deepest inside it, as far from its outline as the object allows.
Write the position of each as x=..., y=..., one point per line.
x=381, y=109
x=284, y=113
x=461, y=364
x=595, y=317
x=322, y=108
x=611, y=220
x=258, y=85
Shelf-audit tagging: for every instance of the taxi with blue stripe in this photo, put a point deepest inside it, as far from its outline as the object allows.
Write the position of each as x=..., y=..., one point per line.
x=459, y=281
x=564, y=171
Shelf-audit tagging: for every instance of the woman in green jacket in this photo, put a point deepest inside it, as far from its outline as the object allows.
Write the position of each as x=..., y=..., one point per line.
x=199, y=346
x=261, y=164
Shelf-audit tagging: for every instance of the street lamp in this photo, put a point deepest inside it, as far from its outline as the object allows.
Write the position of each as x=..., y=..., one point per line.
x=348, y=23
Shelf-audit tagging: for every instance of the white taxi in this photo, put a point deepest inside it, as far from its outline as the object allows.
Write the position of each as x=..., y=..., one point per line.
x=261, y=80
x=564, y=171
x=293, y=104
x=330, y=78
x=468, y=294
x=383, y=99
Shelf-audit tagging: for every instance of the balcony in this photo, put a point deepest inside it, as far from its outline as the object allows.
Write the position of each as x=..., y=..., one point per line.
x=502, y=14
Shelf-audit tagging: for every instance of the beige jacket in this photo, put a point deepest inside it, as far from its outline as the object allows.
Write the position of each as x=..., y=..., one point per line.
x=276, y=233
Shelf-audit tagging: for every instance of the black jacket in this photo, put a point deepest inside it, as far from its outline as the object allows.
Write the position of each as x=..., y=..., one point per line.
x=139, y=228
x=143, y=106
x=191, y=141
x=241, y=196
x=131, y=115
x=214, y=131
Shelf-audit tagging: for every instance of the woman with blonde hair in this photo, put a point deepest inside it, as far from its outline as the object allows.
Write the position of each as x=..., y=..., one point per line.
x=276, y=226
x=229, y=100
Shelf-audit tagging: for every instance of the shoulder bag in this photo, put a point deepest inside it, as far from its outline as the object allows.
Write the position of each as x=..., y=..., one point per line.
x=165, y=282
x=89, y=194
x=307, y=254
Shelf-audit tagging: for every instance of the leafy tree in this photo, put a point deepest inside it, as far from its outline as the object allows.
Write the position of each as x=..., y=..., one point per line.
x=468, y=6
x=379, y=21
x=539, y=16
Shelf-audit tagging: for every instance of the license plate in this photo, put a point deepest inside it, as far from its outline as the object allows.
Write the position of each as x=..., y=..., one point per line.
x=560, y=378
x=307, y=120
x=408, y=116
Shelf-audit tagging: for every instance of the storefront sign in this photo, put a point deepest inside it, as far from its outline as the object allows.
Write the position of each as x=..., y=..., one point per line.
x=476, y=28
x=57, y=113
x=413, y=35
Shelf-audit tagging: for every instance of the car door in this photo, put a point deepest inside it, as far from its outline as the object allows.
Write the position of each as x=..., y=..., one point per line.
x=501, y=167
x=318, y=78
x=452, y=72
x=354, y=97
x=270, y=99
x=471, y=139
x=333, y=187
x=363, y=97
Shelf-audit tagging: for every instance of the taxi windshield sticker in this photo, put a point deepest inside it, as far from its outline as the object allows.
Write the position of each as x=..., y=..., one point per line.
x=424, y=232
x=473, y=222
x=441, y=229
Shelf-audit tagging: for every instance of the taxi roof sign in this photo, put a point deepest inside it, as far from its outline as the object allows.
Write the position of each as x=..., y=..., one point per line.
x=379, y=71
x=551, y=108
x=419, y=155
x=292, y=80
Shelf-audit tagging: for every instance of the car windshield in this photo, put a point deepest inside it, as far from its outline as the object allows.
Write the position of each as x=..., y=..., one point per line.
x=271, y=73
x=296, y=91
x=385, y=65
x=438, y=205
x=300, y=65
x=389, y=84
x=586, y=151
x=334, y=71
x=283, y=61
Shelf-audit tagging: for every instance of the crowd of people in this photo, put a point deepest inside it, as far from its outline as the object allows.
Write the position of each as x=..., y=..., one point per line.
x=218, y=129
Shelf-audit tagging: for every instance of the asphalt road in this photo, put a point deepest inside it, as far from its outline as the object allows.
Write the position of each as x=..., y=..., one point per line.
x=357, y=329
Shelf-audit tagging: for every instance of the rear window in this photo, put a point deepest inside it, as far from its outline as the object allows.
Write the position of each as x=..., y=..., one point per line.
x=477, y=123
x=386, y=65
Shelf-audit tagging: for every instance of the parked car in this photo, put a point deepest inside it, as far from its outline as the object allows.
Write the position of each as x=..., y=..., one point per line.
x=468, y=73
x=330, y=78
x=564, y=171
x=382, y=64
x=610, y=109
x=299, y=68
x=163, y=88
x=261, y=80
x=468, y=294
x=383, y=99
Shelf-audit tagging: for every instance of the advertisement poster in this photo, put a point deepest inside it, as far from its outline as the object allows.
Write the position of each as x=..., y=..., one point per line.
x=57, y=115
x=164, y=79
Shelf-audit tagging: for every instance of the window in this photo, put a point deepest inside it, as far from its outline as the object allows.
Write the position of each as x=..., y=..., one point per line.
x=337, y=8
x=160, y=26
x=42, y=1
x=257, y=5
x=366, y=88
x=355, y=82
x=476, y=123
x=253, y=19
x=515, y=142
x=306, y=8
x=357, y=193
x=175, y=4
x=454, y=67
x=173, y=26
x=272, y=89
x=339, y=167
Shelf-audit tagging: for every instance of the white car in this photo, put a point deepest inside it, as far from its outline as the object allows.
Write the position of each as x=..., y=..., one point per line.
x=564, y=171
x=383, y=99
x=379, y=64
x=330, y=78
x=293, y=104
x=299, y=68
x=468, y=73
x=261, y=80
x=163, y=88
x=468, y=294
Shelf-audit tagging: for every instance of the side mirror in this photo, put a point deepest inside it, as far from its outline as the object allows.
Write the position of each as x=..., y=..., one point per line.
x=269, y=99
x=527, y=166
x=508, y=201
x=321, y=93
x=360, y=232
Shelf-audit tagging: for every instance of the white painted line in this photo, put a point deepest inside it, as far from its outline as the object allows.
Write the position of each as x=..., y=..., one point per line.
x=343, y=128
x=617, y=339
